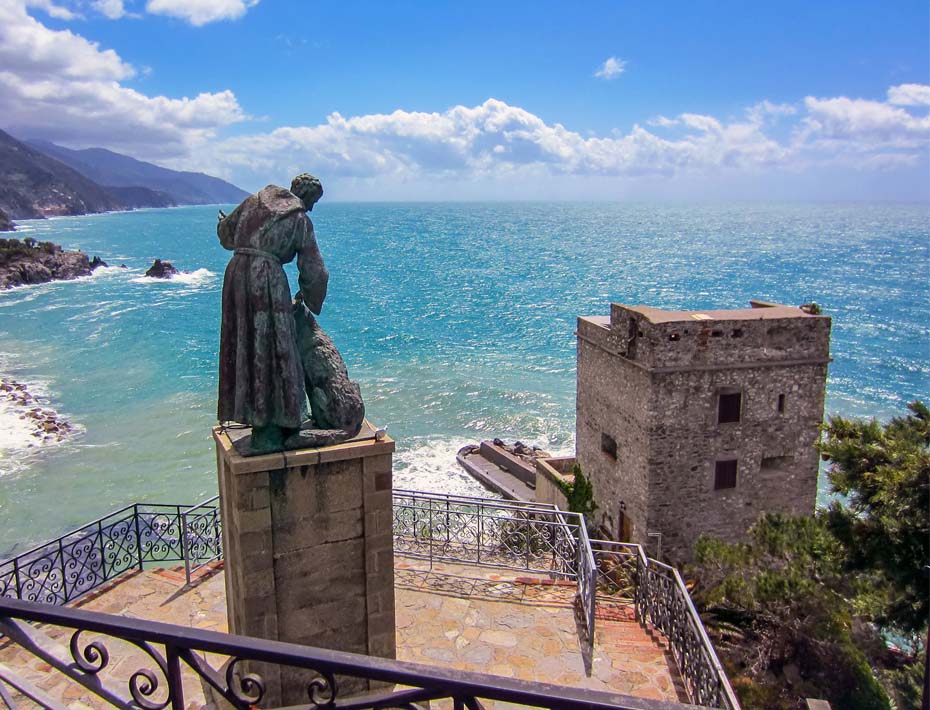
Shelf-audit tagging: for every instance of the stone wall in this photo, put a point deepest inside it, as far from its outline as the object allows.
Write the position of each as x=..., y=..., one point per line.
x=687, y=441
x=760, y=336
x=308, y=545
x=651, y=381
x=613, y=398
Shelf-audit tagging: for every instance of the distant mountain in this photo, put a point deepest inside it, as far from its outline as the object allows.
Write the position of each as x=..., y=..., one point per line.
x=112, y=169
x=33, y=185
x=135, y=197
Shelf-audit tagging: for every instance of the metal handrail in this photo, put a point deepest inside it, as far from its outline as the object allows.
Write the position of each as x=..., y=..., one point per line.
x=202, y=531
x=131, y=537
x=705, y=680
x=83, y=559
x=170, y=648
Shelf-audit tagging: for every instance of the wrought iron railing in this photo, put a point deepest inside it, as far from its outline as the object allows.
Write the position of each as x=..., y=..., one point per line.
x=527, y=537
x=202, y=542
x=140, y=534
x=485, y=531
x=660, y=598
x=498, y=533
x=217, y=660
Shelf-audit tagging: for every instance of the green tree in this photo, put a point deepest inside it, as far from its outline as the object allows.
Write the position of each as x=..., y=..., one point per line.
x=785, y=599
x=883, y=472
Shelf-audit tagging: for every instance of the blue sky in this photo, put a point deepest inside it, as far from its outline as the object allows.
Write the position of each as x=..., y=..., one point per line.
x=418, y=100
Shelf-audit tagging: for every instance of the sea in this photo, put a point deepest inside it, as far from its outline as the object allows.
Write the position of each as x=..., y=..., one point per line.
x=456, y=319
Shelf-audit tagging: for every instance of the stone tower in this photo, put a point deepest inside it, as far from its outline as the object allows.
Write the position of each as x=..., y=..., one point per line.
x=691, y=422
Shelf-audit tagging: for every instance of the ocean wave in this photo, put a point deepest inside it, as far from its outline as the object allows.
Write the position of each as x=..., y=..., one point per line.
x=102, y=272
x=27, y=424
x=429, y=465
x=200, y=277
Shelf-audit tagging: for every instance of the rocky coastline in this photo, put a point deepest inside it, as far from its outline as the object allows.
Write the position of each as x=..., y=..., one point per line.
x=46, y=425
x=6, y=224
x=30, y=262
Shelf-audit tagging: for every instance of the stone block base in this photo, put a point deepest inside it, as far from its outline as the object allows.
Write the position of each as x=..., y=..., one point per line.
x=307, y=539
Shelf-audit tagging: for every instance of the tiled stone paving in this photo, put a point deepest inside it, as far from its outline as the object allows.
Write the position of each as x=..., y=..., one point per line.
x=469, y=618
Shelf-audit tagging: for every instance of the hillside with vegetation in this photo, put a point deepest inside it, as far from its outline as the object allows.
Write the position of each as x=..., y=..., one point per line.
x=44, y=180
x=32, y=185
x=117, y=171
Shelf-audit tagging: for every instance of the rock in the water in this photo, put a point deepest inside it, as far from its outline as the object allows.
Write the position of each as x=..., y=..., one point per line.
x=31, y=262
x=6, y=224
x=161, y=270
x=96, y=263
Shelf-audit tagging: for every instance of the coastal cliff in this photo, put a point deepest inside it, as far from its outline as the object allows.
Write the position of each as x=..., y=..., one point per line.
x=118, y=172
x=32, y=185
x=30, y=262
x=6, y=224
x=41, y=179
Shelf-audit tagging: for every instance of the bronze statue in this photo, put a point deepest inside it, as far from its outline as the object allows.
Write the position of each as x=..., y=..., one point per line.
x=263, y=371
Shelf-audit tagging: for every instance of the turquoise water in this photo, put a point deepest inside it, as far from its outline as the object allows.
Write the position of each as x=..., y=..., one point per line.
x=457, y=319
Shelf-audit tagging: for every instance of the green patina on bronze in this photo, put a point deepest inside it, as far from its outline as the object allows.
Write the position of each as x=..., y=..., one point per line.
x=273, y=353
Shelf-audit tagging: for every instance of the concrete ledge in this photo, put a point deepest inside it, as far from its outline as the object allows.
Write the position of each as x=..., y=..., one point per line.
x=239, y=464
x=550, y=474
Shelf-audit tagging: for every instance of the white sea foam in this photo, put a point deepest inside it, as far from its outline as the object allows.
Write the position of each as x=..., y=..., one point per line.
x=200, y=277
x=22, y=437
x=104, y=272
x=430, y=465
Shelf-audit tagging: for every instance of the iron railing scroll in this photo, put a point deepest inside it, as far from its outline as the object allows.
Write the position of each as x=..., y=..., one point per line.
x=660, y=598
x=203, y=536
x=215, y=661
x=133, y=537
x=492, y=533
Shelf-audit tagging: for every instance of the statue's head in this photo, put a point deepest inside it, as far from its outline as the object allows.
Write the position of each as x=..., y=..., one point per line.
x=308, y=188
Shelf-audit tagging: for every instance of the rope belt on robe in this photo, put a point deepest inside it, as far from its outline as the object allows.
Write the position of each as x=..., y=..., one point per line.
x=248, y=251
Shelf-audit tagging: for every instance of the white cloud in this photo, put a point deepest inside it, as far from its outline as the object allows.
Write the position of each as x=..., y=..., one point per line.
x=663, y=121
x=58, y=85
x=113, y=9
x=494, y=141
x=611, y=68
x=909, y=95
x=762, y=111
x=863, y=124
x=201, y=12
x=57, y=11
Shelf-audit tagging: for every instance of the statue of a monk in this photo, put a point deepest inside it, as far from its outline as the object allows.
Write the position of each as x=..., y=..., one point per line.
x=261, y=372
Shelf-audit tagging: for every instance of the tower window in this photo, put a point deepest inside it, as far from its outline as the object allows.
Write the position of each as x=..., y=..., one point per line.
x=781, y=404
x=609, y=446
x=728, y=407
x=725, y=474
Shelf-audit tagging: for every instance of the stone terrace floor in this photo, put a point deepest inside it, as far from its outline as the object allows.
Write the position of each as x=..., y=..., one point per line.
x=465, y=617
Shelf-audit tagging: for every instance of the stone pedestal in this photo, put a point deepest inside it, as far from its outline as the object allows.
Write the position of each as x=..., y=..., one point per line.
x=308, y=546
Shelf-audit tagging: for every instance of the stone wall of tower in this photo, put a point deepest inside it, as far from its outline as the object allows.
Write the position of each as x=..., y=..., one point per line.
x=687, y=441
x=613, y=398
x=652, y=381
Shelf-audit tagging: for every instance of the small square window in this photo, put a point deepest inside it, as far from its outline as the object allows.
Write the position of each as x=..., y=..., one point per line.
x=609, y=446
x=725, y=474
x=781, y=404
x=728, y=408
